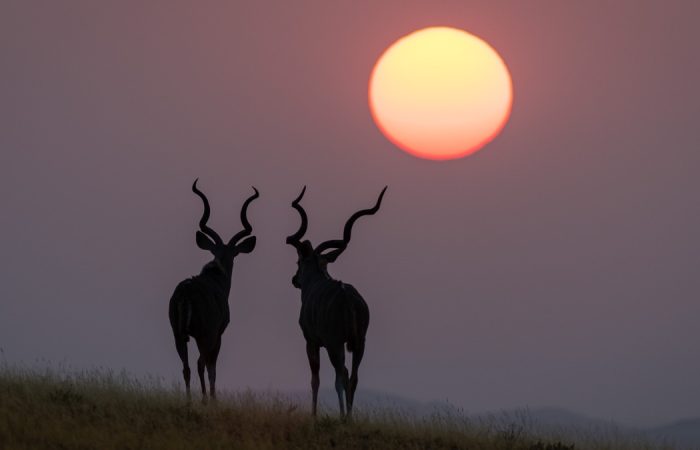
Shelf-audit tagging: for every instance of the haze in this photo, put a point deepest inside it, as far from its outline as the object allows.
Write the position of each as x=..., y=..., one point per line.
x=558, y=266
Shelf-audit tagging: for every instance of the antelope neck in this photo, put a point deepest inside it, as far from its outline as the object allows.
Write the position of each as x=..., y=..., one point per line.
x=313, y=274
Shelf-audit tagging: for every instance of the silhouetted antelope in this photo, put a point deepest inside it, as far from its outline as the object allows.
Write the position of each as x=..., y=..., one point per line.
x=333, y=313
x=199, y=305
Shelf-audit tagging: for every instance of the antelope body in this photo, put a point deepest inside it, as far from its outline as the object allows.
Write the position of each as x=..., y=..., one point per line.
x=333, y=314
x=199, y=306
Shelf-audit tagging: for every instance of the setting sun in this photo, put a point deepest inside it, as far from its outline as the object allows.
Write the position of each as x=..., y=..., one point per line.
x=440, y=93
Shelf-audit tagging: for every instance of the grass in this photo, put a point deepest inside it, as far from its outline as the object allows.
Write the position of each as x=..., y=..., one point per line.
x=103, y=409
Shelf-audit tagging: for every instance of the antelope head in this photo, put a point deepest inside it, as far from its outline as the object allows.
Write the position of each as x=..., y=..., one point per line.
x=209, y=240
x=312, y=261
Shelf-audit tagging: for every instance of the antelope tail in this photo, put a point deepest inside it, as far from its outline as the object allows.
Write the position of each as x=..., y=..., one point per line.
x=184, y=316
x=354, y=332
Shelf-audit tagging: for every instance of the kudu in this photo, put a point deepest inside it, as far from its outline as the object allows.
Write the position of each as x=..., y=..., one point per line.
x=199, y=306
x=333, y=313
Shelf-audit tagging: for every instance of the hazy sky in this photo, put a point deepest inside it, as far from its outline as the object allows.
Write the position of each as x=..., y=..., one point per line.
x=558, y=266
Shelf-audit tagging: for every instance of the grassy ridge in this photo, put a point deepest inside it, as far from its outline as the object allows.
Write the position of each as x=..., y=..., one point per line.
x=103, y=410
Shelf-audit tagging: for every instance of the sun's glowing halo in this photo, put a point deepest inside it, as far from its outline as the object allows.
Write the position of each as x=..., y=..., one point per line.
x=440, y=93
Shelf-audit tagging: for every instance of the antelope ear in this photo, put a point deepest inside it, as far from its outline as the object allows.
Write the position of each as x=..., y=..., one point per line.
x=204, y=242
x=332, y=256
x=247, y=245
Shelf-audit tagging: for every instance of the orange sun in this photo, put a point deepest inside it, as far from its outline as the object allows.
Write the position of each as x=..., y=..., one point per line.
x=440, y=93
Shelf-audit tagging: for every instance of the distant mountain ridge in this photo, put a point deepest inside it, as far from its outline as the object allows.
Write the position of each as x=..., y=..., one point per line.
x=683, y=433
